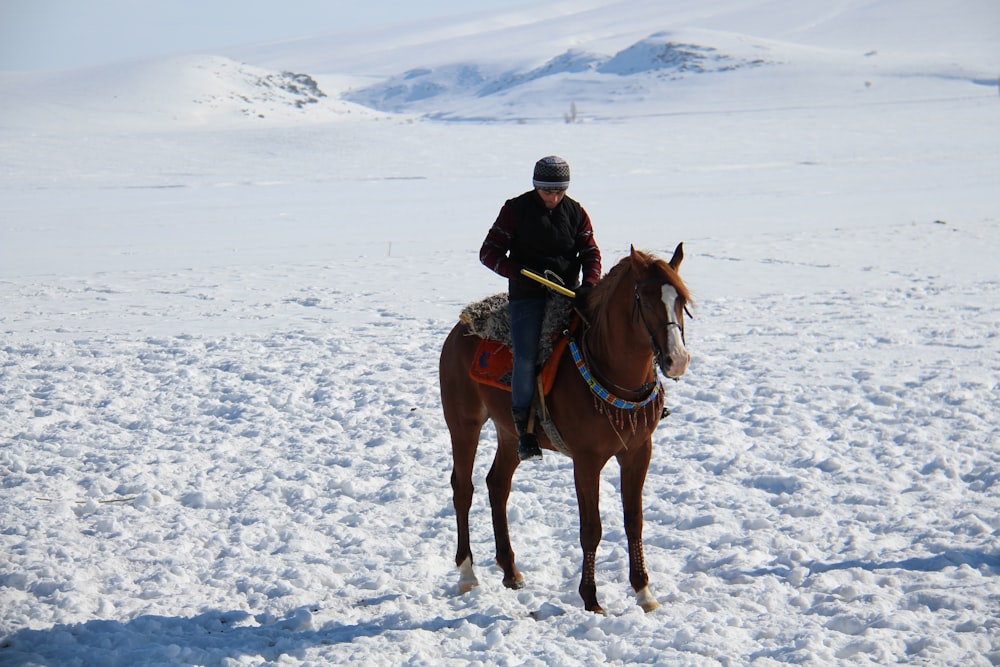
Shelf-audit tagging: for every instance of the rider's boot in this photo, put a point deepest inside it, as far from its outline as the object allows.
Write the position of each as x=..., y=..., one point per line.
x=527, y=443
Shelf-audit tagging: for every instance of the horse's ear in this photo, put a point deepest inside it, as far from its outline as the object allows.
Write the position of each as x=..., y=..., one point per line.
x=633, y=257
x=675, y=261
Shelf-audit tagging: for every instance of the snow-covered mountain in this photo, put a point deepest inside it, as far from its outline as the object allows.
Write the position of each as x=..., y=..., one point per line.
x=176, y=92
x=643, y=56
x=630, y=75
x=590, y=61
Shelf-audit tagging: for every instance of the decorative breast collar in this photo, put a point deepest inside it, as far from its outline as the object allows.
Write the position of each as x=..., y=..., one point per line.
x=603, y=393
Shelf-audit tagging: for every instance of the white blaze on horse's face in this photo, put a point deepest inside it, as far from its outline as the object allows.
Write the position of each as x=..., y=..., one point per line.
x=679, y=356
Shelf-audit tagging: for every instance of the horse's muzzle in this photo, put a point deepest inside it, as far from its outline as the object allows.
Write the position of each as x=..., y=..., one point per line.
x=674, y=364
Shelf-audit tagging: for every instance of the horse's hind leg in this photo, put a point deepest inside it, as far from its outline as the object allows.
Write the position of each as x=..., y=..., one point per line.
x=465, y=415
x=464, y=443
x=498, y=482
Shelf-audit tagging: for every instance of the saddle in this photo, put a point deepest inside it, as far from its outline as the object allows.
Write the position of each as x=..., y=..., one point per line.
x=493, y=363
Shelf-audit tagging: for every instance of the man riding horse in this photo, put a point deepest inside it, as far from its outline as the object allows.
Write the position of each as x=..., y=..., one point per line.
x=550, y=234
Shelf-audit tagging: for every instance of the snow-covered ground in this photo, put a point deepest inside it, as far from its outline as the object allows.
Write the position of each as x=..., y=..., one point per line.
x=224, y=296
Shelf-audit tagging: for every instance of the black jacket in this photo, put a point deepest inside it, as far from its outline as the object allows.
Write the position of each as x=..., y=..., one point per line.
x=528, y=235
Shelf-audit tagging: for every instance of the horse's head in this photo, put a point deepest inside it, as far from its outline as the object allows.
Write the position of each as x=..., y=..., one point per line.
x=661, y=298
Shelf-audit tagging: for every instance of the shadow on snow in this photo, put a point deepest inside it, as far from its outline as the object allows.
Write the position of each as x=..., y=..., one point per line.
x=942, y=561
x=207, y=639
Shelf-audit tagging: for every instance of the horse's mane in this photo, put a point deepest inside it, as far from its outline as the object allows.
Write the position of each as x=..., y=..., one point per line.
x=604, y=291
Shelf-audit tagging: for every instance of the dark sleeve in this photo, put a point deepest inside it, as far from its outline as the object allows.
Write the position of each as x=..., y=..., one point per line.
x=589, y=253
x=494, y=253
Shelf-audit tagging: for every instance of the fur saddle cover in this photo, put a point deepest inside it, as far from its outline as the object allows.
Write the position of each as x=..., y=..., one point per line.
x=490, y=320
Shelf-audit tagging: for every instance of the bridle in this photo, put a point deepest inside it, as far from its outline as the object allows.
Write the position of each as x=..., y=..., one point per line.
x=651, y=392
x=591, y=373
x=662, y=357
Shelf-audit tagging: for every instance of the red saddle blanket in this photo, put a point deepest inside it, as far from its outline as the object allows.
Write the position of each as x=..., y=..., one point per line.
x=493, y=364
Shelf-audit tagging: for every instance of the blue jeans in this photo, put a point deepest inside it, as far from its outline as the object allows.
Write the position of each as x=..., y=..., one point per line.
x=526, y=317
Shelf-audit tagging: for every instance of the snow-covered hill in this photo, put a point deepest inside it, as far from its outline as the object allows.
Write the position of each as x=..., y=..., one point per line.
x=647, y=67
x=642, y=56
x=586, y=61
x=172, y=93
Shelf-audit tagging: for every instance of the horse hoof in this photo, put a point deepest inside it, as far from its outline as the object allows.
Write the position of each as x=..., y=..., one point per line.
x=514, y=584
x=646, y=600
x=466, y=577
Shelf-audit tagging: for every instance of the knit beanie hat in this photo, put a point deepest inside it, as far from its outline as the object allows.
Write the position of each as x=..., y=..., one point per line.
x=551, y=173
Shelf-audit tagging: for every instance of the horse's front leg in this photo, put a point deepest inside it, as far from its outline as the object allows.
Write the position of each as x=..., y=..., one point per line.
x=588, y=481
x=634, y=465
x=498, y=481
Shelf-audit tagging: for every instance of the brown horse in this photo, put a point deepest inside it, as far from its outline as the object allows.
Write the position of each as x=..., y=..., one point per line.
x=636, y=315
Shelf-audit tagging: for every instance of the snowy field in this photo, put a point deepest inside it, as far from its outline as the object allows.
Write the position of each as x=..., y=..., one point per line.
x=221, y=440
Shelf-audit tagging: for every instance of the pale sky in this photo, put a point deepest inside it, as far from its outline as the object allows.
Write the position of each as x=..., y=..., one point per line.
x=61, y=34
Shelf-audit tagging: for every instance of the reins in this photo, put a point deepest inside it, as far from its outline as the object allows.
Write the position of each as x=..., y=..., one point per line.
x=650, y=392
